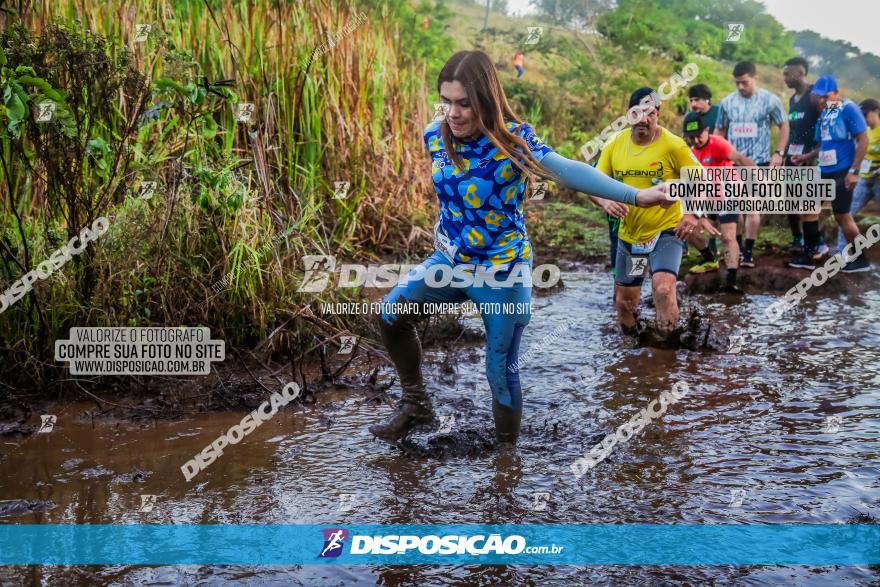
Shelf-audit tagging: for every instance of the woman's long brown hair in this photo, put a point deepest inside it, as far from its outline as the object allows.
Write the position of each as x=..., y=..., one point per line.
x=474, y=70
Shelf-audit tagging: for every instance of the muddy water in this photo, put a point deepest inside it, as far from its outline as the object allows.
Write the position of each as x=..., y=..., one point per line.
x=754, y=441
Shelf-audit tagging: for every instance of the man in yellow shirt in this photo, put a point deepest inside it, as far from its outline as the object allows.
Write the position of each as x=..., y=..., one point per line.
x=868, y=187
x=643, y=156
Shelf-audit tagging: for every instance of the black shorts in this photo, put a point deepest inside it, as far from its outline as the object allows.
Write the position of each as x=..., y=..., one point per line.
x=842, y=196
x=723, y=218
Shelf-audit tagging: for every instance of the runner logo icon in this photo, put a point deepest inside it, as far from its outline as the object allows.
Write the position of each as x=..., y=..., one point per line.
x=334, y=540
x=318, y=269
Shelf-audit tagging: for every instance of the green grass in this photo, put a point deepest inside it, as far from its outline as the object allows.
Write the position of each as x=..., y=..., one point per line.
x=575, y=84
x=867, y=220
x=568, y=228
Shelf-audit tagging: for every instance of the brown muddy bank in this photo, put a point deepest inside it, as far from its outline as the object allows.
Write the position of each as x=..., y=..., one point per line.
x=242, y=382
x=771, y=275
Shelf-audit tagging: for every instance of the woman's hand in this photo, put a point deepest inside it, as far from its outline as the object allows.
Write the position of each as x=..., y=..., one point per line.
x=652, y=196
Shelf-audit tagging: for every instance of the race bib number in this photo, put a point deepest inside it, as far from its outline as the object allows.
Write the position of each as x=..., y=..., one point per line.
x=744, y=130
x=443, y=243
x=828, y=158
x=795, y=149
x=865, y=167
x=645, y=247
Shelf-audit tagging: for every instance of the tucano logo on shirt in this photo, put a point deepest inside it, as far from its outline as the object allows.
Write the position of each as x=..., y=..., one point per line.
x=641, y=172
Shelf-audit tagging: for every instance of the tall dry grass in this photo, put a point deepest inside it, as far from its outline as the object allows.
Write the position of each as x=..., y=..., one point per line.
x=338, y=98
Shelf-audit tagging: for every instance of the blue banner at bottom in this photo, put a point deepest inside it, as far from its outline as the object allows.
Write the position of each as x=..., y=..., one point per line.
x=403, y=544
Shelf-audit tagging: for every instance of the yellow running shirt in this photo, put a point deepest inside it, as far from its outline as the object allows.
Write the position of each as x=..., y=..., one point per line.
x=871, y=168
x=642, y=167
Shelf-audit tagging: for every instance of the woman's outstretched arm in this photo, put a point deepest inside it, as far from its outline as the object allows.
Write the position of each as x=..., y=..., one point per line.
x=585, y=178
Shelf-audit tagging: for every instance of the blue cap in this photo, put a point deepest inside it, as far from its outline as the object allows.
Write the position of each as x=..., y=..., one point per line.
x=824, y=85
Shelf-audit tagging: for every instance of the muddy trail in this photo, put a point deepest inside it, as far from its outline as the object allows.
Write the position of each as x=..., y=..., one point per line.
x=781, y=424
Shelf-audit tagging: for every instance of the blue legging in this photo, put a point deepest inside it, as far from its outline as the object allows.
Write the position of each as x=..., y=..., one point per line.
x=504, y=328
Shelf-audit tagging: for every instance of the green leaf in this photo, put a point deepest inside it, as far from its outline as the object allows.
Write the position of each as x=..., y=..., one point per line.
x=209, y=128
x=99, y=150
x=16, y=110
x=197, y=94
x=166, y=85
x=43, y=86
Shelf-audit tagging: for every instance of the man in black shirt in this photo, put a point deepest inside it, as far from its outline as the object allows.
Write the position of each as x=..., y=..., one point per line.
x=802, y=118
x=700, y=98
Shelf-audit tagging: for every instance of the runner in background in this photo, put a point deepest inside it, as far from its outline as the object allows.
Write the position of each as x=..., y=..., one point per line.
x=714, y=151
x=700, y=97
x=518, y=63
x=868, y=187
x=802, y=118
x=745, y=120
x=643, y=156
x=842, y=144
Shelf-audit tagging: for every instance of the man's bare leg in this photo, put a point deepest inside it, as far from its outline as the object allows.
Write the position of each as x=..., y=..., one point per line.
x=848, y=224
x=626, y=300
x=665, y=301
x=731, y=247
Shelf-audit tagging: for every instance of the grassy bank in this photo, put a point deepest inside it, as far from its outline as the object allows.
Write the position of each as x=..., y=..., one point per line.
x=338, y=97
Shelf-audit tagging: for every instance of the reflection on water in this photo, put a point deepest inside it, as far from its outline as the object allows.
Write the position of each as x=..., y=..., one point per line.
x=787, y=430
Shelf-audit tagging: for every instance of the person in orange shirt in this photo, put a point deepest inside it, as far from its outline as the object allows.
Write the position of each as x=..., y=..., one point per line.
x=518, y=63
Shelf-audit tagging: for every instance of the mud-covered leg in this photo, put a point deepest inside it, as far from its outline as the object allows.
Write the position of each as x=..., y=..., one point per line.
x=402, y=343
x=627, y=300
x=665, y=302
x=630, y=274
x=403, y=346
x=665, y=262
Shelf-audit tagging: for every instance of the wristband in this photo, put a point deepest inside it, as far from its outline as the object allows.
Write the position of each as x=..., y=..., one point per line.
x=852, y=171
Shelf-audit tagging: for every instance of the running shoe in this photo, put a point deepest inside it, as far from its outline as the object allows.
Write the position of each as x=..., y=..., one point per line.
x=858, y=265
x=821, y=251
x=804, y=262
x=706, y=267
x=745, y=260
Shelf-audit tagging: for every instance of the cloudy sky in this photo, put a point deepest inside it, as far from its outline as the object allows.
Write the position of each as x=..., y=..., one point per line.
x=856, y=21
